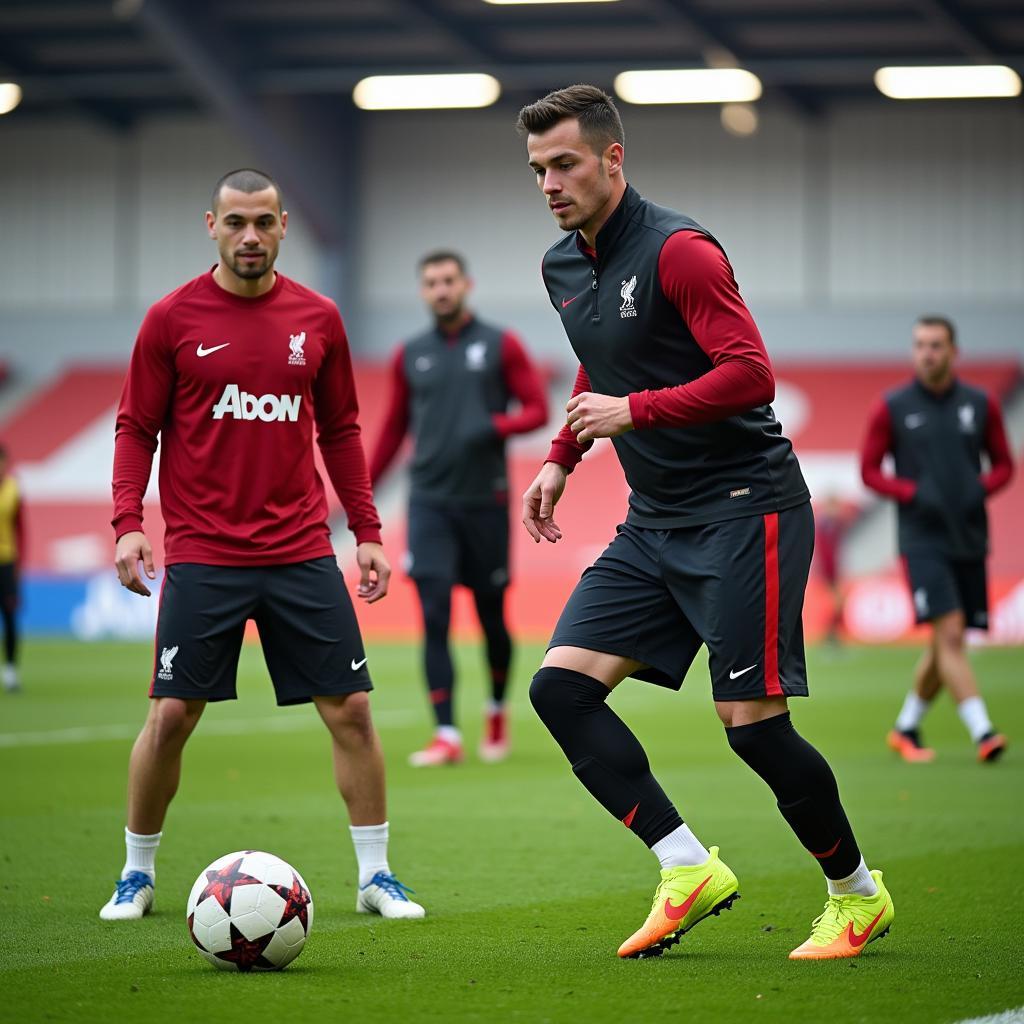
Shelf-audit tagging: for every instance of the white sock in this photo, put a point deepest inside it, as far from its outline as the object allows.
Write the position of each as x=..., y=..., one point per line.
x=912, y=712
x=974, y=715
x=141, y=853
x=860, y=882
x=495, y=707
x=680, y=847
x=450, y=734
x=371, y=844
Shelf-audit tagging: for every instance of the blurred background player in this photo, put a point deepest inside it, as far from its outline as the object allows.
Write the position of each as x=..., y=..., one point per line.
x=937, y=428
x=246, y=525
x=716, y=546
x=830, y=525
x=451, y=389
x=12, y=546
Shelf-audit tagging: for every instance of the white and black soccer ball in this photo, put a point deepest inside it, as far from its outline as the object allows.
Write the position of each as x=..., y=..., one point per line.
x=249, y=911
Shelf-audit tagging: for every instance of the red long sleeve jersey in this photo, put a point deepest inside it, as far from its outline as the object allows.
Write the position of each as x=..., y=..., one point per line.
x=233, y=388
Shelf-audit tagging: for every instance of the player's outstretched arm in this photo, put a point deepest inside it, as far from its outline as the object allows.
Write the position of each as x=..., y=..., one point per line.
x=539, y=503
x=374, y=571
x=132, y=548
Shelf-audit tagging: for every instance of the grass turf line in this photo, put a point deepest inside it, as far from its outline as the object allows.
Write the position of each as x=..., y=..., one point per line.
x=529, y=885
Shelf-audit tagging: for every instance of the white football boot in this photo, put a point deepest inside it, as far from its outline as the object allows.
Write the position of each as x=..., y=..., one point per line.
x=133, y=897
x=385, y=895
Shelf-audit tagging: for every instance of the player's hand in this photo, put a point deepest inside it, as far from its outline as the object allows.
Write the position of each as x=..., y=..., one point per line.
x=131, y=549
x=539, y=503
x=374, y=572
x=592, y=416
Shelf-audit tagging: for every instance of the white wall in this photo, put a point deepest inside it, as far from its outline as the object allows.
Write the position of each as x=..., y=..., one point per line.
x=840, y=230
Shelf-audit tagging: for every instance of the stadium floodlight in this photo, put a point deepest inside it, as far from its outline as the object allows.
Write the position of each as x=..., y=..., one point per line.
x=425, y=92
x=10, y=96
x=699, y=85
x=957, y=82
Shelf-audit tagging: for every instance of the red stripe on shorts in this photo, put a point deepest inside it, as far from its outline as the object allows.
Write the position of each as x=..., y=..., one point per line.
x=772, y=686
x=156, y=632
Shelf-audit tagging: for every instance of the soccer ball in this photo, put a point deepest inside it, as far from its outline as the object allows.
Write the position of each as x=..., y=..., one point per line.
x=249, y=911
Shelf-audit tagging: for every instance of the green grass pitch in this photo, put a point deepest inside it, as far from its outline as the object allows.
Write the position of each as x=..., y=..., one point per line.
x=529, y=886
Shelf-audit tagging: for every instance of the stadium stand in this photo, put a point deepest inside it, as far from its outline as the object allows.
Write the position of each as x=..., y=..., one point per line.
x=62, y=439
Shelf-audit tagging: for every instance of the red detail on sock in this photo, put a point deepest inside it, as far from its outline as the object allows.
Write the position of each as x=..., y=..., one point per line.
x=437, y=696
x=827, y=853
x=628, y=819
x=772, y=686
x=496, y=727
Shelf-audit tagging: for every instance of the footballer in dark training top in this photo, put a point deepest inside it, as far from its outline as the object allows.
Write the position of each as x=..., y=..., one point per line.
x=716, y=544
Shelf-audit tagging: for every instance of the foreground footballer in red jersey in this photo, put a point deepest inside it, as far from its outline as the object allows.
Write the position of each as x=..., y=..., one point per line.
x=231, y=372
x=716, y=545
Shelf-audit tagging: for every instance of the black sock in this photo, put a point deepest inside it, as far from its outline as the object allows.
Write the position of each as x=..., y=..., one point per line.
x=436, y=604
x=804, y=787
x=10, y=635
x=490, y=609
x=605, y=756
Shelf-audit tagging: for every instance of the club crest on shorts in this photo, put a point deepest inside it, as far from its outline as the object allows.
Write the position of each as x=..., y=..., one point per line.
x=628, y=307
x=166, y=658
x=296, y=356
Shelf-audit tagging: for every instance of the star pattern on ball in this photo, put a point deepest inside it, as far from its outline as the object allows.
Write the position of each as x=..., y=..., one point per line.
x=246, y=955
x=296, y=902
x=221, y=884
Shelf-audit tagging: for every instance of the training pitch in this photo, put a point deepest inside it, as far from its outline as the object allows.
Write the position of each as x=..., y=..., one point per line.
x=529, y=885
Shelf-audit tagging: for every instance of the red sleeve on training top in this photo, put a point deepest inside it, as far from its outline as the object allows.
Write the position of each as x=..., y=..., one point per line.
x=524, y=382
x=396, y=421
x=565, y=449
x=697, y=279
x=145, y=399
x=338, y=436
x=1001, y=469
x=876, y=444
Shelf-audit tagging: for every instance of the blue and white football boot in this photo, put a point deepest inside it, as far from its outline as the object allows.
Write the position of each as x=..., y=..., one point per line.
x=385, y=895
x=133, y=897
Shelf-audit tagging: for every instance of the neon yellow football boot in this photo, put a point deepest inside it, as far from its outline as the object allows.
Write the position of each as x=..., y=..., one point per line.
x=685, y=896
x=848, y=924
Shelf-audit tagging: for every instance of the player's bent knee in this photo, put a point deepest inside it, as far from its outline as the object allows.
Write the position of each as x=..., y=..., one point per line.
x=558, y=694
x=349, y=714
x=172, y=720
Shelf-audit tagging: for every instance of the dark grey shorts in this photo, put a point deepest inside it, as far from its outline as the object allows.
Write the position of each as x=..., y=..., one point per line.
x=459, y=544
x=307, y=626
x=656, y=596
x=940, y=585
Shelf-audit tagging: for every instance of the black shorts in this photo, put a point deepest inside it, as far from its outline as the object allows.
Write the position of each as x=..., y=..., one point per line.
x=465, y=544
x=9, y=586
x=308, y=631
x=738, y=586
x=940, y=585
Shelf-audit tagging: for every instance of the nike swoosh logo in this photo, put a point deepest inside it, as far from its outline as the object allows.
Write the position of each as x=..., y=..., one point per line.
x=357, y=665
x=742, y=671
x=209, y=351
x=569, y=302
x=678, y=913
x=859, y=940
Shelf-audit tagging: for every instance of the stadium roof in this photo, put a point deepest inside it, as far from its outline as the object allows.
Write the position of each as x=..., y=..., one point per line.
x=121, y=59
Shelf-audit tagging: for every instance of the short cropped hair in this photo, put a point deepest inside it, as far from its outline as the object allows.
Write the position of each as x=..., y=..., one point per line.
x=246, y=179
x=592, y=107
x=936, y=320
x=442, y=256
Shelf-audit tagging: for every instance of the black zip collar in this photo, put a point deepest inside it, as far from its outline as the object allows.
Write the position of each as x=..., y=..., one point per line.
x=614, y=226
x=937, y=396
